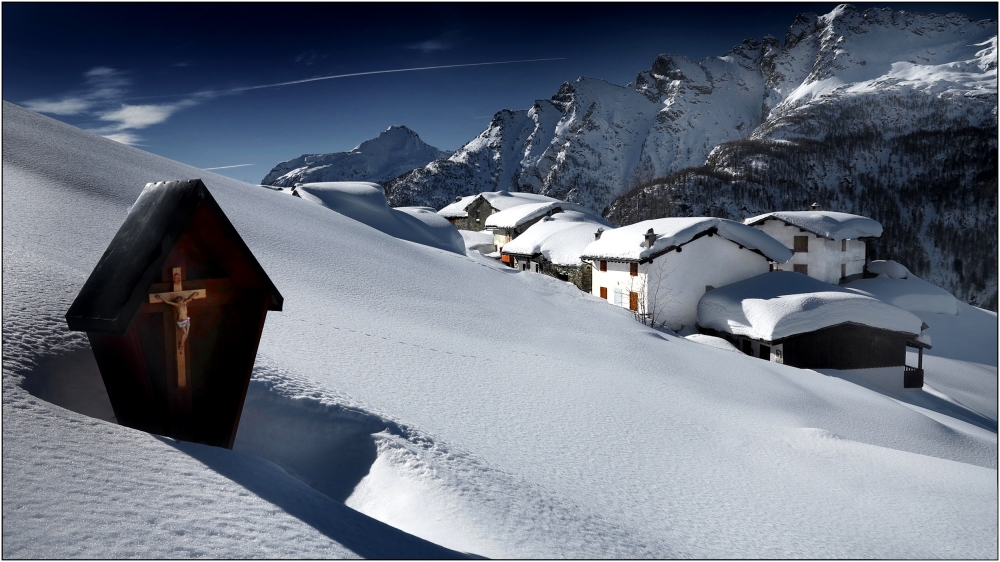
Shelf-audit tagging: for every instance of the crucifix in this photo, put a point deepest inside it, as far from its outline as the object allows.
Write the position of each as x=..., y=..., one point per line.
x=178, y=298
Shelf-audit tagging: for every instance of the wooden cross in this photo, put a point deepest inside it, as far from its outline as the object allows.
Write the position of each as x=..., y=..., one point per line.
x=178, y=298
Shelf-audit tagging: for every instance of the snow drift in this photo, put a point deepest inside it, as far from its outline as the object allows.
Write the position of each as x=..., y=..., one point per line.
x=588, y=436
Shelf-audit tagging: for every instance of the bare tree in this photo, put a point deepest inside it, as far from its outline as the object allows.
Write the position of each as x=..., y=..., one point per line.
x=655, y=297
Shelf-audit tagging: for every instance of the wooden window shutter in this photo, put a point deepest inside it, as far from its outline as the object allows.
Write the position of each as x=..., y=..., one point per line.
x=633, y=269
x=801, y=244
x=843, y=245
x=604, y=293
x=604, y=265
x=801, y=268
x=633, y=301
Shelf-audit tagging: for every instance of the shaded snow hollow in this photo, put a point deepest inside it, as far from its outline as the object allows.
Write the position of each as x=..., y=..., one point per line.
x=597, y=438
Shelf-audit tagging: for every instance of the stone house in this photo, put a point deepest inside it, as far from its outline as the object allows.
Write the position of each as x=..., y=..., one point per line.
x=553, y=246
x=470, y=212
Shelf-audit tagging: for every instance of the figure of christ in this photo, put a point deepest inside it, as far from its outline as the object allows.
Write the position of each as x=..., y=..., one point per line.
x=183, y=320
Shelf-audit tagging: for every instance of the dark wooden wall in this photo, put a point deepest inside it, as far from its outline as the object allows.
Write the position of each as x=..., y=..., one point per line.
x=848, y=346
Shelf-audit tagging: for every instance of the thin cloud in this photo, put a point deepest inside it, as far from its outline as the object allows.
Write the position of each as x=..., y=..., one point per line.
x=124, y=138
x=430, y=46
x=142, y=116
x=225, y=167
x=102, y=84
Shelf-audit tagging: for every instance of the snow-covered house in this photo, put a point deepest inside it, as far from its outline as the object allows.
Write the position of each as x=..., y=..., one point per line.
x=511, y=223
x=660, y=268
x=794, y=319
x=470, y=212
x=828, y=245
x=553, y=246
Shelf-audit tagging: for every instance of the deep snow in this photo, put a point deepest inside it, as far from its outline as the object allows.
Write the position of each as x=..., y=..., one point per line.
x=495, y=412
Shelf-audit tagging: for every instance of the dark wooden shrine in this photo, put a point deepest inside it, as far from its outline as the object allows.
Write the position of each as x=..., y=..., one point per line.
x=174, y=311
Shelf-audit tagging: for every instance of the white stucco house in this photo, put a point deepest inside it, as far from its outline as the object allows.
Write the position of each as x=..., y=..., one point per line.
x=828, y=246
x=660, y=268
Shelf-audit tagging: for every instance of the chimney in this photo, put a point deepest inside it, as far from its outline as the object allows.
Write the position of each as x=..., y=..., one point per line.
x=650, y=238
x=459, y=198
x=597, y=235
x=814, y=207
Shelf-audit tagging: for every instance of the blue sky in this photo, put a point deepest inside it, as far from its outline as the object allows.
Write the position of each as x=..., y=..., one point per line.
x=183, y=80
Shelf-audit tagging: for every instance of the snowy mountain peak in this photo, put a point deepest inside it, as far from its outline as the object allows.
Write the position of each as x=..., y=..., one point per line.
x=393, y=152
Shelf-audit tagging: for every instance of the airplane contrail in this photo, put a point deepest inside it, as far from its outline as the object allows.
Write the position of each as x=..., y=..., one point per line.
x=246, y=88
x=224, y=167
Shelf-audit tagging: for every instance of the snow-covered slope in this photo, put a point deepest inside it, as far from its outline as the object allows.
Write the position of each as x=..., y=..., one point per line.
x=365, y=202
x=395, y=151
x=570, y=431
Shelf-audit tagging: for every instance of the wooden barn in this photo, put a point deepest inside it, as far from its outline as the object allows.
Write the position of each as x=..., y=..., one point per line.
x=790, y=318
x=174, y=311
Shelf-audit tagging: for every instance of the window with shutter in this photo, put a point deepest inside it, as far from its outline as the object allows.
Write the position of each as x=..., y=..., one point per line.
x=604, y=265
x=801, y=268
x=843, y=245
x=801, y=244
x=633, y=301
x=633, y=269
x=604, y=293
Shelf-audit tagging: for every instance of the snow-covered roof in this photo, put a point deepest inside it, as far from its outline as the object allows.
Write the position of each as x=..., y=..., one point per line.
x=898, y=287
x=627, y=243
x=828, y=224
x=561, y=238
x=499, y=200
x=779, y=304
x=457, y=210
x=521, y=214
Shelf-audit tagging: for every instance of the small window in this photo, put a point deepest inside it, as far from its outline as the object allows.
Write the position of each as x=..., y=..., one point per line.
x=801, y=244
x=801, y=268
x=770, y=267
x=765, y=352
x=633, y=269
x=604, y=265
x=843, y=245
x=633, y=301
x=604, y=293
x=748, y=347
x=843, y=270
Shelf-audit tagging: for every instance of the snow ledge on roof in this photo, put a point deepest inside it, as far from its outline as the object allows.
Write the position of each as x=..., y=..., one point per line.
x=828, y=224
x=775, y=305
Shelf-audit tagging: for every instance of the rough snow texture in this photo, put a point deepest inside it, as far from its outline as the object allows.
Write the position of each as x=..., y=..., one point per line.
x=561, y=238
x=828, y=224
x=395, y=151
x=779, y=304
x=365, y=202
x=598, y=438
x=628, y=243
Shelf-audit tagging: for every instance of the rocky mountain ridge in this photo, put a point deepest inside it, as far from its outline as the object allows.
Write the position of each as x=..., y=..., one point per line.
x=885, y=113
x=395, y=151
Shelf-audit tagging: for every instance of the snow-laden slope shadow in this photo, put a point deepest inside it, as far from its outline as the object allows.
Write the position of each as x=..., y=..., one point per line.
x=327, y=448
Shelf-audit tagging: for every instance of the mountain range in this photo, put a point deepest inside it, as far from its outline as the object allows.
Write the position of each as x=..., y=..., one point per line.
x=888, y=114
x=395, y=151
